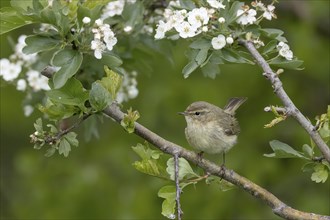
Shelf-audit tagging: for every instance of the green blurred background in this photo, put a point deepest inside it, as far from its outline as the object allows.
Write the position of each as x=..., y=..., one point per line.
x=97, y=180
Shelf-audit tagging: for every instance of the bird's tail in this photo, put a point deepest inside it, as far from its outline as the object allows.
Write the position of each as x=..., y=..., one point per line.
x=233, y=104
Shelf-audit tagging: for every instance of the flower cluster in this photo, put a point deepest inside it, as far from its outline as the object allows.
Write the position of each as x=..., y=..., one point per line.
x=18, y=63
x=284, y=50
x=115, y=8
x=128, y=89
x=187, y=24
x=104, y=38
x=248, y=16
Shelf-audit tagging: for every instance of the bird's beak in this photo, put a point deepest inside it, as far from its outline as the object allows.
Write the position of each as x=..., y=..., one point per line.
x=182, y=113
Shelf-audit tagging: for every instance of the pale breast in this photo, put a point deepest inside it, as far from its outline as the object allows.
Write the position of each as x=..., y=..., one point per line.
x=208, y=139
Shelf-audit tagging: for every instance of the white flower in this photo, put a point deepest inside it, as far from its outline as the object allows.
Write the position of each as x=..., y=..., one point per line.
x=104, y=38
x=176, y=18
x=21, y=85
x=132, y=92
x=284, y=50
x=26, y=59
x=269, y=12
x=9, y=71
x=86, y=20
x=37, y=81
x=198, y=17
x=229, y=40
x=113, y=8
x=128, y=28
x=186, y=30
x=205, y=28
x=246, y=16
x=222, y=20
x=98, y=47
x=216, y=4
x=218, y=42
x=28, y=109
x=162, y=28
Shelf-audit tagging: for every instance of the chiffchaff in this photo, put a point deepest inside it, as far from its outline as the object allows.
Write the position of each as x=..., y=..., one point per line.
x=211, y=129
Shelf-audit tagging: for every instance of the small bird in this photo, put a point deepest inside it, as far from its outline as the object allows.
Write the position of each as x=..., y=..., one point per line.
x=211, y=129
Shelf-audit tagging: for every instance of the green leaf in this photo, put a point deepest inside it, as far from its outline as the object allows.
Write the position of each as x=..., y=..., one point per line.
x=221, y=183
x=320, y=173
x=185, y=170
x=50, y=152
x=58, y=111
x=64, y=147
x=270, y=47
x=111, y=60
x=287, y=64
x=189, y=68
x=210, y=70
x=168, y=206
x=231, y=16
x=201, y=56
x=187, y=4
x=273, y=34
x=200, y=43
x=11, y=19
x=146, y=153
x=112, y=82
x=99, y=97
x=308, y=151
x=282, y=150
x=133, y=13
x=37, y=43
x=308, y=167
x=233, y=56
x=129, y=120
x=72, y=93
x=38, y=126
x=71, y=137
x=67, y=70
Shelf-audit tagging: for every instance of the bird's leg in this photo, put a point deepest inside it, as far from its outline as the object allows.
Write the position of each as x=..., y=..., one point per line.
x=200, y=155
x=222, y=167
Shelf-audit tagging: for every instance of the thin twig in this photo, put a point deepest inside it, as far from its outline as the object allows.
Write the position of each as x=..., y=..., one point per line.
x=55, y=138
x=177, y=185
x=289, y=105
x=278, y=207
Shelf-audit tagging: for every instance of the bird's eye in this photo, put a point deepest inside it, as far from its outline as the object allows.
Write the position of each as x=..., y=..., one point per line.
x=197, y=113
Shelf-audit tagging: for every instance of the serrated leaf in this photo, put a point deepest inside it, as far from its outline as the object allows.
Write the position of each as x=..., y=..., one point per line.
x=11, y=19
x=99, y=97
x=133, y=13
x=189, y=68
x=145, y=152
x=168, y=206
x=273, y=33
x=67, y=70
x=221, y=183
x=320, y=173
x=210, y=70
x=37, y=43
x=187, y=4
x=71, y=137
x=38, y=126
x=282, y=150
x=50, y=152
x=72, y=93
x=129, y=120
x=185, y=170
x=64, y=147
x=112, y=82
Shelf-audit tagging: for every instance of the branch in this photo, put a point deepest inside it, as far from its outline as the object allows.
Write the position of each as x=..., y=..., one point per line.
x=278, y=207
x=291, y=109
x=177, y=185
